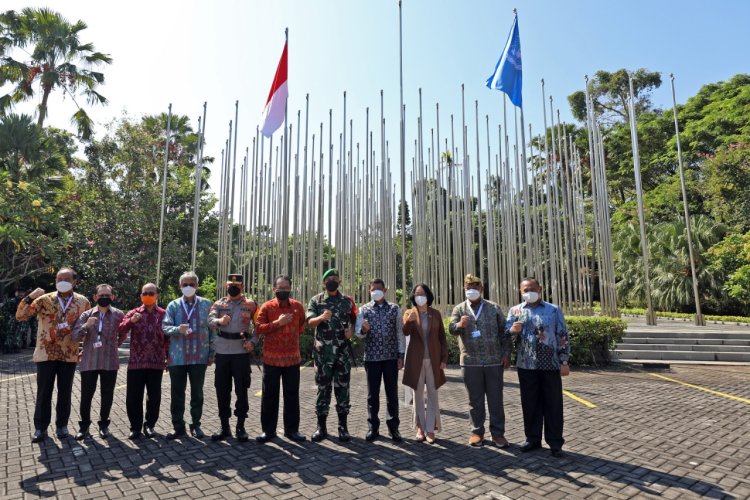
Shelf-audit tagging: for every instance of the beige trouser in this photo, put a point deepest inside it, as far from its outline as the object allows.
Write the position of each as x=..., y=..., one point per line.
x=428, y=419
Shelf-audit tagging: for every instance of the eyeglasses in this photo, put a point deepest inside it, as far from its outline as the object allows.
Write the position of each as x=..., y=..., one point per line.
x=150, y=294
x=188, y=284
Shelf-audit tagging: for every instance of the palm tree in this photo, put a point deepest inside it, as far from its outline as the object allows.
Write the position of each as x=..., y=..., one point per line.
x=58, y=60
x=29, y=152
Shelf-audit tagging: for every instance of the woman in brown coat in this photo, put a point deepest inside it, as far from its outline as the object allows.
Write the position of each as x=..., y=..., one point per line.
x=425, y=361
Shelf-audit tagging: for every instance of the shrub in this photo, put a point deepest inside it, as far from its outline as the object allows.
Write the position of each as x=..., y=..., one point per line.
x=592, y=338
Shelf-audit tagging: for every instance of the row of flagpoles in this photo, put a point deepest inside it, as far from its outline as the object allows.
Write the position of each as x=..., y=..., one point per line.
x=316, y=198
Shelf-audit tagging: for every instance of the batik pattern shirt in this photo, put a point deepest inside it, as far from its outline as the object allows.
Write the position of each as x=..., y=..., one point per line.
x=148, y=344
x=484, y=341
x=281, y=343
x=55, y=324
x=189, y=349
x=100, y=342
x=385, y=340
x=544, y=342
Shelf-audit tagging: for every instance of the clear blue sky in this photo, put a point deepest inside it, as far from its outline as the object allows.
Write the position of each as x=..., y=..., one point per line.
x=187, y=52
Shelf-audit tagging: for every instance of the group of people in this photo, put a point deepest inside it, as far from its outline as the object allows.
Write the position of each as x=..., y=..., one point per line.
x=15, y=335
x=193, y=333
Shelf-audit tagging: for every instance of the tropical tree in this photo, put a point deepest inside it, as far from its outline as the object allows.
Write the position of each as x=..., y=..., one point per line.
x=58, y=60
x=30, y=153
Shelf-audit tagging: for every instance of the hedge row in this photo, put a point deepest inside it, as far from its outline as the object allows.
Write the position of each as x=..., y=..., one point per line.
x=592, y=339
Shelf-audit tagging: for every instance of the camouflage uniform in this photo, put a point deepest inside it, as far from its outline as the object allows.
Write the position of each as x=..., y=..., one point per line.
x=15, y=332
x=332, y=352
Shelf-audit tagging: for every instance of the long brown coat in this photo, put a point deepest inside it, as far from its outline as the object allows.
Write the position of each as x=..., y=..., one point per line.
x=437, y=346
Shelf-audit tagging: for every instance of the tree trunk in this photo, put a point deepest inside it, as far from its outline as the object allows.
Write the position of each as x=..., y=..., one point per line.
x=43, y=105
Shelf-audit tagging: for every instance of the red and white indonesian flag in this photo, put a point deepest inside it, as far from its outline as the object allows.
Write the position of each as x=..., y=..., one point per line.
x=273, y=114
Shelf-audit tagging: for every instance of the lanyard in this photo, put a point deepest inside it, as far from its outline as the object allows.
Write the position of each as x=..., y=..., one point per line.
x=66, y=306
x=184, y=308
x=478, y=313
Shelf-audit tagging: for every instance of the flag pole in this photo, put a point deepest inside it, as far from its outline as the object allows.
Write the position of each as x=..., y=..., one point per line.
x=402, y=154
x=650, y=314
x=163, y=193
x=699, y=320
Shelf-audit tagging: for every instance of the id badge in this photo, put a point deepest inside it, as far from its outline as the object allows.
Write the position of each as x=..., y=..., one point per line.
x=476, y=334
x=63, y=326
x=98, y=344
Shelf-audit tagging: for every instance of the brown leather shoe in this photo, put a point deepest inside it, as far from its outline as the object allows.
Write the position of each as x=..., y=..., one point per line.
x=476, y=440
x=500, y=441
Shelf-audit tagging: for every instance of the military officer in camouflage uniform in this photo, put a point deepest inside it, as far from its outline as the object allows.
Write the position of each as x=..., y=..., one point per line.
x=16, y=333
x=332, y=314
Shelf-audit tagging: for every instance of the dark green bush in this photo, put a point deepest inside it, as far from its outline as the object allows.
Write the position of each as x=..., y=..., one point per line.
x=592, y=338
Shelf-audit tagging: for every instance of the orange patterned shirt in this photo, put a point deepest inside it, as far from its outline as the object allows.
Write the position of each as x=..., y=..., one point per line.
x=53, y=339
x=281, y=343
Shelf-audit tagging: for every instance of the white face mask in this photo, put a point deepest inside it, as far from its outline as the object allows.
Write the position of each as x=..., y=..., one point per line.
x=188, y=291
x=64, y=286
x=530, y=297
x=420, y=300
x=472, y=294
x=377, y=295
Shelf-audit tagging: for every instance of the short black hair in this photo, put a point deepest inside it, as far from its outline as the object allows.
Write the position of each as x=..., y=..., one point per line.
x=378, y=281
x=282, y=277
x=427, y=292
x=530, y=278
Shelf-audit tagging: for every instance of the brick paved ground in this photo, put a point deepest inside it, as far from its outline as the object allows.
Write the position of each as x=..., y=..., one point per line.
x=647, y=437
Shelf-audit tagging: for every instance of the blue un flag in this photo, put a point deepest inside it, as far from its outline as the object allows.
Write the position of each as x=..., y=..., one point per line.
x=507, y=75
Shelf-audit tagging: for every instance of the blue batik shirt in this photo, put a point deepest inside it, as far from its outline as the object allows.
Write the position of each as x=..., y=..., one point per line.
x=385, y=340
x=544, y=342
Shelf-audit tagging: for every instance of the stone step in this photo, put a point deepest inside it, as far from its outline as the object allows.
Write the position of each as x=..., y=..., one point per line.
x=687, y=341
x=686, y=334
x=681, y=355
x=682, y=347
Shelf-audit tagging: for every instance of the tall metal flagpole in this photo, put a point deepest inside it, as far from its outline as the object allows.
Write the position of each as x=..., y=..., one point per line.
x=402, y=152
x=650, y=314
x=198, y=181
x=163, y=193
x=699, y=320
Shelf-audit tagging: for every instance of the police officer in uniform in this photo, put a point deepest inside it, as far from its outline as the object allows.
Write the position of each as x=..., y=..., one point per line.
x=232, y=318
x=332, y=314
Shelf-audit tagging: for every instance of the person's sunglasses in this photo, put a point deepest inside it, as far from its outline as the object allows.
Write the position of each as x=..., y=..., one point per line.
x=150, y=294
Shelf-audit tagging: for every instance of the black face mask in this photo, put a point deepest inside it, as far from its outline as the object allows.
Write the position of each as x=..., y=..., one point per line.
x=234, y=291
x=283, y=294
x=104, y=301
x=332, y=286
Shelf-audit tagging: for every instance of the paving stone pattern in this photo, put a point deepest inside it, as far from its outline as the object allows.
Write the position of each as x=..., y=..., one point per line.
x=647, y=437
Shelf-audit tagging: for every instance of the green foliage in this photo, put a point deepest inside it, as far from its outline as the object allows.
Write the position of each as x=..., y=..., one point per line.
x=639, y=311
x=728, y=184
x=592, y=338
x=54, y=58
x=730, y=259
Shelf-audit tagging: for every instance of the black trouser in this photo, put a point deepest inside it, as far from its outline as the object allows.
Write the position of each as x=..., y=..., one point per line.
x=107, y=391
x=269, y=406
x=485, y=383
x=388, y=372
x=46, y=373
x=229, y=368
x=138, y=381
x=541, y=401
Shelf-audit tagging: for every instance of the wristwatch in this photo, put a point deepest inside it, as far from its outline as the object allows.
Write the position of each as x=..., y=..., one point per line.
x=28, y=300
x=564, y=363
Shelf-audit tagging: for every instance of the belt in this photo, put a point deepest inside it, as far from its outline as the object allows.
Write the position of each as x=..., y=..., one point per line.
x=231, y=336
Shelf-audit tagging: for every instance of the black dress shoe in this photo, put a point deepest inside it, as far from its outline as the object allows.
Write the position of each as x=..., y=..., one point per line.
x=396, y=436
x=556, y=452
x=241, y=434
x=222, y=435
x=196, y=432
x=83, y=434
x=104, y=432
x=149, y=431
x=38, y=436
x=62, y=432
x=295, y=436
x=371, y=435
x=264, y=437
x=134, y=435
x=177, y=433
x=529, y=446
